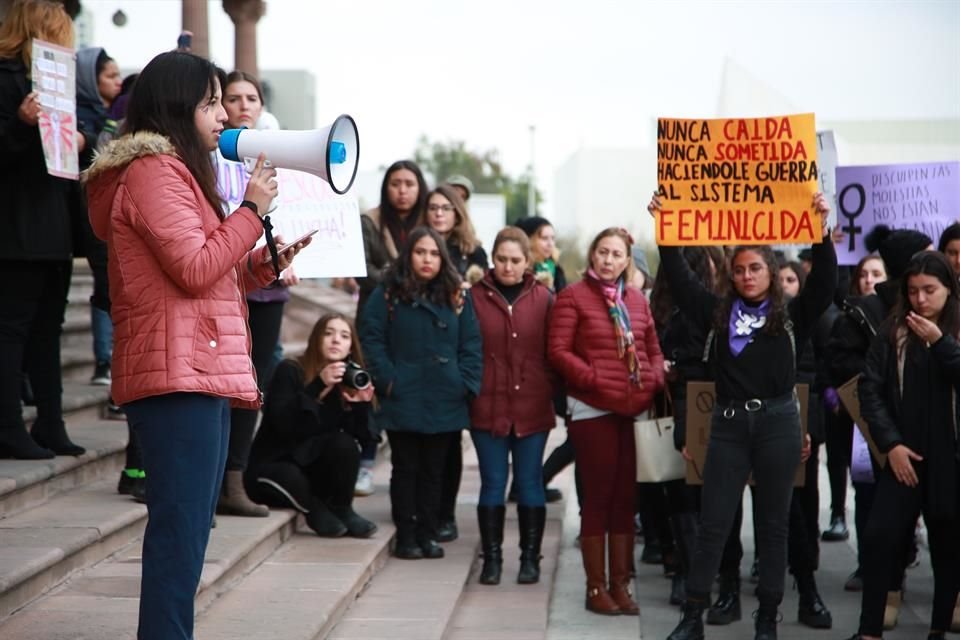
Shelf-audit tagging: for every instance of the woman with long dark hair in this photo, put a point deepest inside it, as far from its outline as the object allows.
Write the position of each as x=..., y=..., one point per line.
x=178, y=269
x=423, y=344
x=315, y=419
x=908, y=398
x=753, y=343
x=35, y=248
x=403, y=199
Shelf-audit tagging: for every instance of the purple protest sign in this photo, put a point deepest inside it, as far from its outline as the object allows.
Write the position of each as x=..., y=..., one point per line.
x=924, y=197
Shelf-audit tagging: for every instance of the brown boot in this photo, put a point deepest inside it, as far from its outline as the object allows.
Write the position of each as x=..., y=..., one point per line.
x=621, y=561
x=593, y=549
x=234, y=501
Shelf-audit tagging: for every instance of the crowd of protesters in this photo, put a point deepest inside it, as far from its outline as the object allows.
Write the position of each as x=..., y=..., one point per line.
x=186, y=324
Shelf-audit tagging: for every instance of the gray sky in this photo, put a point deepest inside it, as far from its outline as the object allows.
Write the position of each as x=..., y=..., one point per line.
x=591, y=73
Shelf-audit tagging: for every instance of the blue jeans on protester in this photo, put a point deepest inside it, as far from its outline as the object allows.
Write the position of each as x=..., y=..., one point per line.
x=494, y=456
x=184, y=438
x=102, y=327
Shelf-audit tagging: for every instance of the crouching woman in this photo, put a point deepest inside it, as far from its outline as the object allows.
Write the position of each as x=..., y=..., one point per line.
x=315, y=419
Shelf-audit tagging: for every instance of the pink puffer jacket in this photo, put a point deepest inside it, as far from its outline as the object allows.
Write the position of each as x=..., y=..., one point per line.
x=177, y=276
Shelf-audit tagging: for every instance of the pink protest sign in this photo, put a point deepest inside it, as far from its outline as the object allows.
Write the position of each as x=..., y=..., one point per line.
x=924, y=197
x=54, y=79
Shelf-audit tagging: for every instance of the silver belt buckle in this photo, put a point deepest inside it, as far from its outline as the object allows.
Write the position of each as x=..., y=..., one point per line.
x=753, y=405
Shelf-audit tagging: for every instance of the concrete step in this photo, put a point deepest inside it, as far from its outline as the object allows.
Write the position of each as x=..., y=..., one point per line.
x=303, y=590
x=102, y=600
x=81, y=401
x=308, y=301
x=44, y=545
x=25, y=484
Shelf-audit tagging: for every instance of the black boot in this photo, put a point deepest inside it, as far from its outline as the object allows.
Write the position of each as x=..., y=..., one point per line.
x=405, y=542
x=16, y=443
x=531, y=521
x=691, y=624
x=684, y=526
x=727, y=607
x=323, y=522
x=357, y=526
x=490, y=520
x=54, y=436
x=766, y=617
x=811, y=610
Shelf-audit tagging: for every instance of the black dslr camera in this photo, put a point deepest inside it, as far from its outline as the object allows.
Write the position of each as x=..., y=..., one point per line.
x=355, y=376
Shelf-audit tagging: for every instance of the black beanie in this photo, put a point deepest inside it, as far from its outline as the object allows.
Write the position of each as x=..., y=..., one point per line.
x=896, y=247
x=532, y=224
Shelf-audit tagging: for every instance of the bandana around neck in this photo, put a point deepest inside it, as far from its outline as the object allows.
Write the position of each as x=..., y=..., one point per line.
x=745, y=321
x=620, y=316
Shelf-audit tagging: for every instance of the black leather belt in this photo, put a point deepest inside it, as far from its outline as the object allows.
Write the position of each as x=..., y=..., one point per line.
x=753, y=405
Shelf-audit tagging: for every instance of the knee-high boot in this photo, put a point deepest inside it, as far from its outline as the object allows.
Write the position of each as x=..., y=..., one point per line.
x=594, y=552
x=490, y=520
x=531, y=521
x=621, y=561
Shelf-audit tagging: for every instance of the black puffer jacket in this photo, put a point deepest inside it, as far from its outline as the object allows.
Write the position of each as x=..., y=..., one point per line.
x=36, y=208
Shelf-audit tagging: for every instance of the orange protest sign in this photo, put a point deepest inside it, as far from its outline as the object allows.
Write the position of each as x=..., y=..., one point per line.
x=737, y=181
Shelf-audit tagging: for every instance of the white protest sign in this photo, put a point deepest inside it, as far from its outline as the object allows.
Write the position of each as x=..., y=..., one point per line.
x=827, y=161
x=305, y=202
x=54, y=78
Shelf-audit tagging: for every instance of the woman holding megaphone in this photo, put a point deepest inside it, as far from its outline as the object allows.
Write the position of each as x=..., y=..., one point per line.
x=178, y=268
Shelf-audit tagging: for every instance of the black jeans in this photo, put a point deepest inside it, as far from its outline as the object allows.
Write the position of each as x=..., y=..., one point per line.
x=766, y=442
x=890, y=525
x=804, y=535
x=452, y=473
x=329, y=478
x=265, y=320
x=415, y=481
x=839, y=428
x=33, y=297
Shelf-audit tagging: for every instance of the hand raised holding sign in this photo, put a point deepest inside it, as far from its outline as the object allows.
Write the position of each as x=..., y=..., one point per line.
x=822, y=208
x=655, y=205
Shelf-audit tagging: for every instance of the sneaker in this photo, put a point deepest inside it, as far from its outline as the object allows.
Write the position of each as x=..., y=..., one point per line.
x=113, y=411
x=101, y=374
x=364, y=486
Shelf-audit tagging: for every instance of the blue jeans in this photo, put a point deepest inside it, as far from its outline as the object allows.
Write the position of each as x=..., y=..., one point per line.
x=494, y=454
x=184, y=438
x=102, y=327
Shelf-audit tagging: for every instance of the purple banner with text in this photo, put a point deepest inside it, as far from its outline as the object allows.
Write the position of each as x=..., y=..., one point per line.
x=924, y=197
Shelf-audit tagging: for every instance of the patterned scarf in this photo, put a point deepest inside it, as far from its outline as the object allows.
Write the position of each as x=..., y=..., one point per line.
x=613, y=296
x=744, y=322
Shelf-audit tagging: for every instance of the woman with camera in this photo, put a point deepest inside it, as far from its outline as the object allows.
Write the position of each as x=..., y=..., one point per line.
x=315, y=419
x=423, y=343
x=513, y=414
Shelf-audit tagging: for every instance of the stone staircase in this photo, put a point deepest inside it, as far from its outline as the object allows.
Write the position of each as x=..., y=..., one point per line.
x=70, y=545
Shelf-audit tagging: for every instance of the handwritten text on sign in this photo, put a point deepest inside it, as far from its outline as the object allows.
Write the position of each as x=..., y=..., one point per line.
x=737, y=181
x=923, y=197
x=305, y=202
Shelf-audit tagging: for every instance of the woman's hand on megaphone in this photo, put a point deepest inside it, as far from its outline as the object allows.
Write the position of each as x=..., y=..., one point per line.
x=262, y=188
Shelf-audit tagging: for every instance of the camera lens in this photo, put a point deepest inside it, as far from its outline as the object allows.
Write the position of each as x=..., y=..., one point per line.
x=361, y=380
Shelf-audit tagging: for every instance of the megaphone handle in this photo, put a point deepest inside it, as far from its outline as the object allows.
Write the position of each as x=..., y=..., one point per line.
x=272, y=245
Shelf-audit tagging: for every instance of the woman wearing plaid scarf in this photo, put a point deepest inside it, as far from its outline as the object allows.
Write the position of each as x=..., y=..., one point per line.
x=603, y=343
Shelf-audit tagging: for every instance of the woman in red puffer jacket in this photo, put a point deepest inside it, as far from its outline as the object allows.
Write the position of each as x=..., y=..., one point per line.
x=603, y=343
x=178, y=271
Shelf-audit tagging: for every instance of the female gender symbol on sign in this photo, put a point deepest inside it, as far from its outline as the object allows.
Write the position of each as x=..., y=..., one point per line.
x=852, y=229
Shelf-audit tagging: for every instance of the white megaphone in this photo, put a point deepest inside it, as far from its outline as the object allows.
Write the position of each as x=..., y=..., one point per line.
x=330, y=153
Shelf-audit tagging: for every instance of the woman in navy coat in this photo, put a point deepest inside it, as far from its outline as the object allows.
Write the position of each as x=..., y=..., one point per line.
x=423, y=345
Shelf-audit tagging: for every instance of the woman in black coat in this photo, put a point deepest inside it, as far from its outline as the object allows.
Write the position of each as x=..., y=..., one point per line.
x=908, y=399
x=315, y=419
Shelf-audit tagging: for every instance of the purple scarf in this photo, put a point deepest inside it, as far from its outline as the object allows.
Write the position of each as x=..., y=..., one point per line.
x=745, y=321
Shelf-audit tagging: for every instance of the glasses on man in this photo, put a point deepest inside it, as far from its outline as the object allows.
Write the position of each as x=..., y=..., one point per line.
x=446, y=208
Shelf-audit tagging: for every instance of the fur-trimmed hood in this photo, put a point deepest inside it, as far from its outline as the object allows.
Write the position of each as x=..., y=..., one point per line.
x=103, y=176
